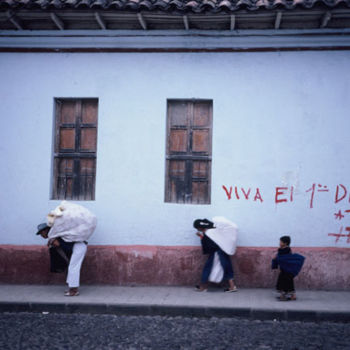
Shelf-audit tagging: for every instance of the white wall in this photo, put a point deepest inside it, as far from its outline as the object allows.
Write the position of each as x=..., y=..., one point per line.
x=279, y=119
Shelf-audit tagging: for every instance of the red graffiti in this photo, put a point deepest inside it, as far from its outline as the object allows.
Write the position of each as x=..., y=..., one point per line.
x=320, y=188
x=278, y=193
x=228, y=193
x=284, y=194
x=246, y=193
x=339, y=215
x=337, y=198
x=341, y=234
x=258, y=196
x=236, y=192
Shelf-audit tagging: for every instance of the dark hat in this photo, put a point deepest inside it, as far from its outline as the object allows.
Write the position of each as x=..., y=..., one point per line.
x=41, y=227
x=203, y=223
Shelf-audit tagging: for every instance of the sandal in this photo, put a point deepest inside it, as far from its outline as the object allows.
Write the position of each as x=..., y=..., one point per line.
x=200, y=289
x=71, y=293
x=227, y=290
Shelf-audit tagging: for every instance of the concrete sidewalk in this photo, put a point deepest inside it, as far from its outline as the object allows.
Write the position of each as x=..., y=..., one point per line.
x=177, y=301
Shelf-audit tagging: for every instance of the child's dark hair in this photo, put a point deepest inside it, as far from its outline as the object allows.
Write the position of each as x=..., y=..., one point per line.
x=285, y=240
x=203, y=223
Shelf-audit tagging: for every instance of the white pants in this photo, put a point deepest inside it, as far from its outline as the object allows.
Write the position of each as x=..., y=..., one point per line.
x=78, y=254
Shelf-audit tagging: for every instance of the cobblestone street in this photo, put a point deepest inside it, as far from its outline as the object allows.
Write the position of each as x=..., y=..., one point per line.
x=81, y=331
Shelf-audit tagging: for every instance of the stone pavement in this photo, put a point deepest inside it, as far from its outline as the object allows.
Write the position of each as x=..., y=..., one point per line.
x=177, y=301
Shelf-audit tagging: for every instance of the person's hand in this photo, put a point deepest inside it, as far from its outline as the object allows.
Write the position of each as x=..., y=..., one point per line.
x=56, y=243
x=53, y=242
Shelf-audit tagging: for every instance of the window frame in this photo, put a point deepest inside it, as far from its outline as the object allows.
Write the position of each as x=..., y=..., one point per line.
x=77, y=154
x=189, y=154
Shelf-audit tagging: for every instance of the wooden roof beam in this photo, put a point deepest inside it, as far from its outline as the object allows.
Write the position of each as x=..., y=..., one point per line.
x=58, y=22
x=325, y=19
x=100, y=21
x=232, y=22
x=142, y=21
x=186, y=24
x=278, y=20
x=15, y=21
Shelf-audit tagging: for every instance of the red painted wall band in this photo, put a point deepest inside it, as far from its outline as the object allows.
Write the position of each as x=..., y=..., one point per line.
x=325, y=268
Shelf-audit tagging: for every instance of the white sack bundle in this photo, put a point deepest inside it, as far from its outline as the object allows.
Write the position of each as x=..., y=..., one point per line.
x=224, y=234
x=217, y=272
x=71, y=222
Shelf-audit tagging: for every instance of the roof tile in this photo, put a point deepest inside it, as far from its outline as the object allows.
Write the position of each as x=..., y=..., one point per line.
x=196, y=6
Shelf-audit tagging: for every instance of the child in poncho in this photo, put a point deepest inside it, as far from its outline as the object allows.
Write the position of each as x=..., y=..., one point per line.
x=290, y=266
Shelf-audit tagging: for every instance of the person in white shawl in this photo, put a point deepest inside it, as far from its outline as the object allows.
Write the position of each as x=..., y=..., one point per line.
x=70, y=224
x=218, y=239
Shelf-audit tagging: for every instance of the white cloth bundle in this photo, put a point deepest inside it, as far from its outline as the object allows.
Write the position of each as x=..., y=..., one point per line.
x=224, y=234
x=71, y=222
x=217, y=272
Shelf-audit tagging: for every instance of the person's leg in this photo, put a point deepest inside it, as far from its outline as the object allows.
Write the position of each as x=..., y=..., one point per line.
x=232, y=286
x=73, y=276
x=285, y=285
x=206, y=272
x=226, y=264
x=290, y=287
x=279, y=284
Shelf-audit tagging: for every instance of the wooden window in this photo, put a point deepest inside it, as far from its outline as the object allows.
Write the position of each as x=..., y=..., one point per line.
x=188, y=160
x=75, y=149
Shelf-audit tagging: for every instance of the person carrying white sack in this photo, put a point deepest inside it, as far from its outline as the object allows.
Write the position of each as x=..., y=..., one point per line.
x=68, y=228
x=218, y=239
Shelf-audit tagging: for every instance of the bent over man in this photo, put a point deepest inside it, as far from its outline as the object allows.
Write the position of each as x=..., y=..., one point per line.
x=68, y=228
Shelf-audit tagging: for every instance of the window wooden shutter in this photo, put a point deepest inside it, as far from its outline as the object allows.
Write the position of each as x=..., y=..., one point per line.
x=75, y=149
x=189, y=134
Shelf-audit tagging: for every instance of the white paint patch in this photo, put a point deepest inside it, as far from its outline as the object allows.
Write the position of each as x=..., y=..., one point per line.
x=143, y=254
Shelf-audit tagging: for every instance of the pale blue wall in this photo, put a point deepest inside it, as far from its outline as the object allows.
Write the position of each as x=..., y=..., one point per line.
x=279, y=118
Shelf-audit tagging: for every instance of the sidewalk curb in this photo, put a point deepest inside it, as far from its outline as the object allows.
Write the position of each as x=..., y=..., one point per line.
x=171, y=310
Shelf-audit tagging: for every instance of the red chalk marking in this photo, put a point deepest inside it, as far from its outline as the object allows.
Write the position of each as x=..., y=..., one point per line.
x=236, y=192
x=338, y=235
x=324, y=189
x=228, y=193
x=337, y=199
x=279, y=192
x=312, y=195
x=321, y=188
x=348, y=235
x=291, y=193
x=258, y=195
x=246, y=195
x=341, y=234
x=339, y=215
